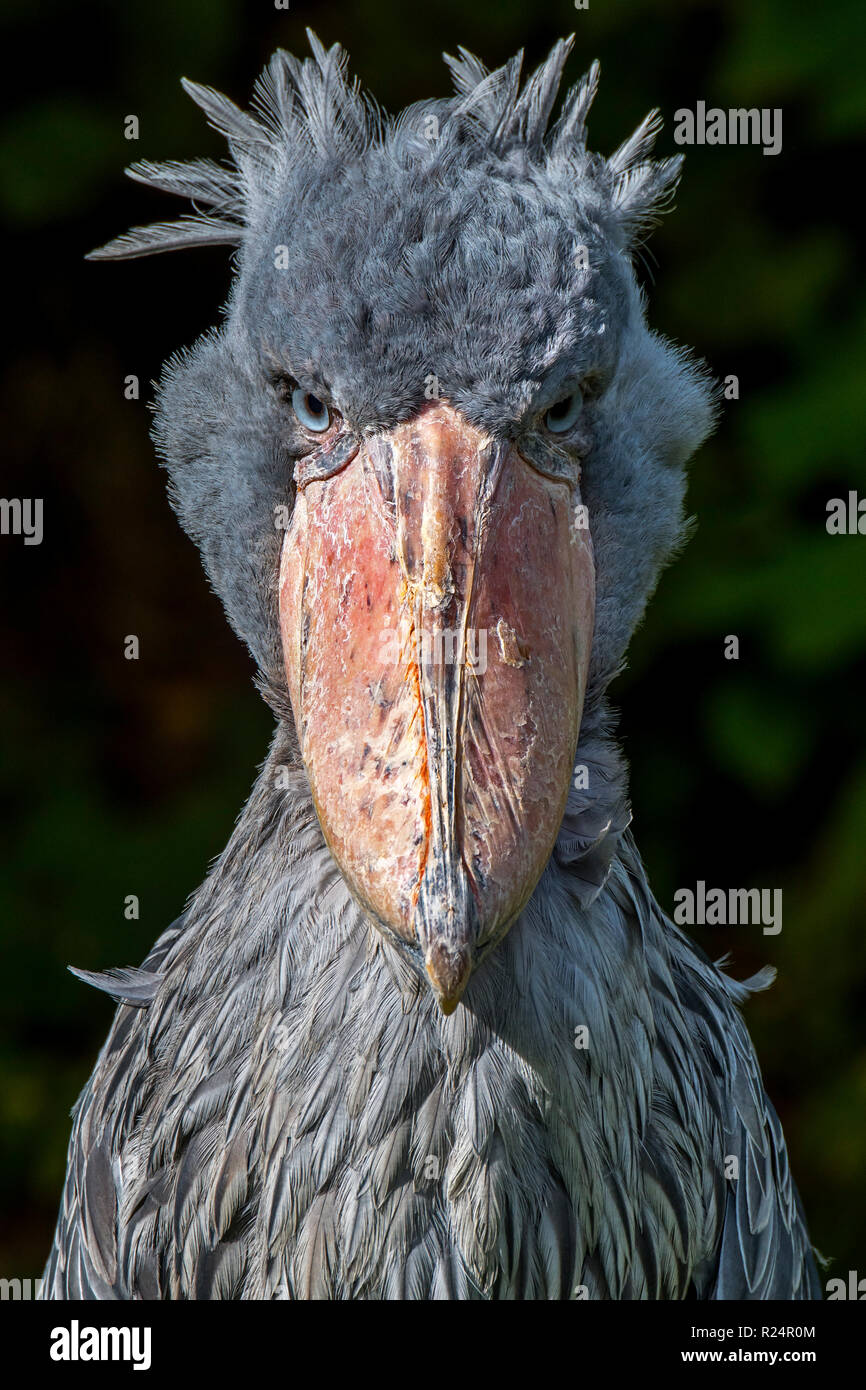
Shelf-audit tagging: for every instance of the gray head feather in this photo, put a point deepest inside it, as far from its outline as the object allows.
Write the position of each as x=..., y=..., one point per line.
x=309, y=108
x=493, y=198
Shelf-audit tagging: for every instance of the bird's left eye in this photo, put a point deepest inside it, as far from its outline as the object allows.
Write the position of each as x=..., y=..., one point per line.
x=561, y=417
x=313, y=414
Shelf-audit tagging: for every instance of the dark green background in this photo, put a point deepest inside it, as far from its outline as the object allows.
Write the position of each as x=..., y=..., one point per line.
x=124, y=777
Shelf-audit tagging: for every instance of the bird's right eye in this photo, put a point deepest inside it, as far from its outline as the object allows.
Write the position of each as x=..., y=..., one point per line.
x=312, y=413
x=563, y=415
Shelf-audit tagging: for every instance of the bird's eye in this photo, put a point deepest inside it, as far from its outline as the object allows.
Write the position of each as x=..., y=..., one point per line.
x=561, y=417
x=313, y=414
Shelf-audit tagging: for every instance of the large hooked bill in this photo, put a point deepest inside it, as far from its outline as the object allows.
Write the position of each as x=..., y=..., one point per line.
x=437, y=600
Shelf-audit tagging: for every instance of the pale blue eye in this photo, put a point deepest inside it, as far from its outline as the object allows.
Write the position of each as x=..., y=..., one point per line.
x=313, y=414
x=562, y=416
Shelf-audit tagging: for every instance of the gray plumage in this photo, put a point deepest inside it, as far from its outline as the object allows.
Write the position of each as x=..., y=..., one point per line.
x=281, y=1110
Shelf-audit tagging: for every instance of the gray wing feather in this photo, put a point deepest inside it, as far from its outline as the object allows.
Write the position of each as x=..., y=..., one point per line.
x=764, y=1251
x=93, y=1240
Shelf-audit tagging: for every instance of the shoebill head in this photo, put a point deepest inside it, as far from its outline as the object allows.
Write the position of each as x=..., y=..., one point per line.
x=433, y=459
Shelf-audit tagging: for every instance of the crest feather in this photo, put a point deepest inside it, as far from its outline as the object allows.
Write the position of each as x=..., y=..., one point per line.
x=539, y=95
x=467, y=71
x=200, y=180
x=570, y=130
x=307, y=106
x=494, y=102
x=490, y=105
x=638, y=145
x=169, y=236
x=238, y=127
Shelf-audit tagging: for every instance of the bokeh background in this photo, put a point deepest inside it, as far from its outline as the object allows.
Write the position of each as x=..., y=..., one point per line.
x=124, y=777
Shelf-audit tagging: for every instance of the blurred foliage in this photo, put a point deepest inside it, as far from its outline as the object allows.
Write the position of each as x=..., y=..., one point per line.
x=121, y=777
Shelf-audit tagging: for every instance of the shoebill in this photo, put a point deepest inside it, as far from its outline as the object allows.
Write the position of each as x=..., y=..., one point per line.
x=424, y=1032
